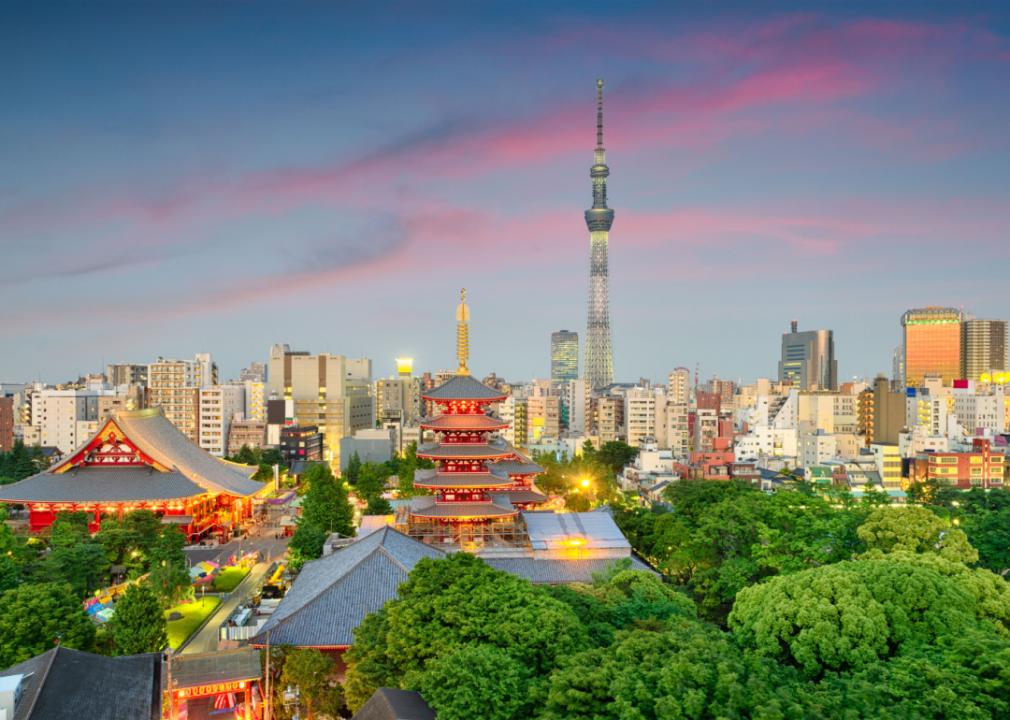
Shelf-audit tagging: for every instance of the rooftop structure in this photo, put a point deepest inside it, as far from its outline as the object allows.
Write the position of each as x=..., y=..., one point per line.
x=65, y=684
x=139, y=460
x=395, y=704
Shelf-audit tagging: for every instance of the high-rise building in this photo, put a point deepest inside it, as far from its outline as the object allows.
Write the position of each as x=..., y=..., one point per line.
x=808, y=359
x=599, y=218
x=256, y=372
x=983, y=347
x=331, y=392
x=678, y=389
x=126, y=374
x=564, y=356
x=932, y=344
x=219, y=406
x=174, y=386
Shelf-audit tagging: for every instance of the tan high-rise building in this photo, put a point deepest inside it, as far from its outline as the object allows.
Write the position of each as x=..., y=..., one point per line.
x=983, y=347
x=331, y=392
x=174, y=386
x=678, y=388
x=880, y=413
x=932, y=344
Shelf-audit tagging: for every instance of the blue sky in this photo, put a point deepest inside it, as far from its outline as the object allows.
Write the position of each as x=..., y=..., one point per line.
x=184, y=177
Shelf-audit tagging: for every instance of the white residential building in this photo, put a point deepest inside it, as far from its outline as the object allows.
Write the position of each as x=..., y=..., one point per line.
x=219, y=405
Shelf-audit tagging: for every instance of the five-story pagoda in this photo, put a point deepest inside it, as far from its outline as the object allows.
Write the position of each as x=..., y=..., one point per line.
x=475, y=485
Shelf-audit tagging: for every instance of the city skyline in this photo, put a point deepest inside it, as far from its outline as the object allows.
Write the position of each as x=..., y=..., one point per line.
x=223, y=191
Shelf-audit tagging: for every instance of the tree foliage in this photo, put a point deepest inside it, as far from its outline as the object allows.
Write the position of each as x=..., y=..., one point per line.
x=325, y=509
x=34, y=617
x=915, y=529
x=313, y=674
x=138, y=625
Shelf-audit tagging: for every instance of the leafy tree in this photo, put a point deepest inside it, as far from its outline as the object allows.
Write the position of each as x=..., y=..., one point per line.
x=306, y=544
x=325, y=504
x=989, y=532
x=448, y=603
x=138, y=625
x=85, y=567
x=852, y=614
x=352, y=473
x=378, y=506
x=688, y=670
x=169, y=578
x=271, y=457
x=915, y=529
x=615, y=455
x=313, y=673
x=371, y=481
x=10, y=573
x=474, y=681
x=34, y=617
x=68, y=529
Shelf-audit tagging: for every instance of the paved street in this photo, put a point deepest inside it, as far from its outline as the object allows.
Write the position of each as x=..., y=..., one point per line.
x=272, y=549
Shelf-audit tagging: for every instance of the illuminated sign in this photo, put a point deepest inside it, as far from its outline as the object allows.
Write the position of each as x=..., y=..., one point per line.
x=217, y=688
x=404, y=365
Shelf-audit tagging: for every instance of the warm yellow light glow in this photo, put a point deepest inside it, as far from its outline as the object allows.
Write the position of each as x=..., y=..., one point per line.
x=575, y=542
x=405, y=365
x=584, y=482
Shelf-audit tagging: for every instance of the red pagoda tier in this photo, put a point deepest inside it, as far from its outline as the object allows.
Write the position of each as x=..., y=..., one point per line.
x=139, y=460
x=480, y=482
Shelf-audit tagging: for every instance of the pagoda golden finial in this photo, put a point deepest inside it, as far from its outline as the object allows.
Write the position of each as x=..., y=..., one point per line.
x=462, y=334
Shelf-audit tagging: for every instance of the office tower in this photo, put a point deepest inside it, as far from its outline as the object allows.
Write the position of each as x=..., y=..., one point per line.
x=599, y=218
x=880, y=413
x=679, y=386
x=564, y=356
x=983, y=347
x=808, y=359
x=932, y=343
x=330, y=392
x=6, y=423
x=256, y=372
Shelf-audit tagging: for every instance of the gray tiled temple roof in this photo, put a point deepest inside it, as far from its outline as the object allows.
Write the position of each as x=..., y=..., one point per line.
x=100, y=484
x=549, y=571
x=65, y=684
x=493, y=449
x=332, y=595
x=429, y=478
x=463, y=387
x=530, y=495
x=477, y=421
x=395, y=704
x=505, y=468
x=426, y=506
x=597, y=529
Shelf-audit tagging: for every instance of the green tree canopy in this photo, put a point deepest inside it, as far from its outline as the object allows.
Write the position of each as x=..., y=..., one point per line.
x=474, y=681
x=313, y=674
x=852, y=614
x=326, y=505
x=915, y=529
x=169, y=577
x=138, y=625
x=457, y=601
x=34, y=617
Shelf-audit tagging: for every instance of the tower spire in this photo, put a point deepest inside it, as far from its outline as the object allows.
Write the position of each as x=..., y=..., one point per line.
x=462, y=334
x=599, y=114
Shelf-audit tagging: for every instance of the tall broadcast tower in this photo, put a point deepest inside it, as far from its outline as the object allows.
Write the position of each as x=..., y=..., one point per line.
x=599, y=218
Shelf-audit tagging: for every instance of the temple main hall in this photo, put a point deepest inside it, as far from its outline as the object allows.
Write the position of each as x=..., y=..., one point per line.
x=138, y=460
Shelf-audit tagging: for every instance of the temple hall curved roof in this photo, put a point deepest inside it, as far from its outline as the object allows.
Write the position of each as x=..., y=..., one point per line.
x=101, y=484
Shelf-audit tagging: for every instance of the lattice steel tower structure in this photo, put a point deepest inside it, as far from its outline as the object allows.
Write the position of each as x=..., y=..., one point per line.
x=599, y=351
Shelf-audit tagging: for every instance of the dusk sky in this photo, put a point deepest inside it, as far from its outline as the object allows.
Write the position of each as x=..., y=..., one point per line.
x=217, y=177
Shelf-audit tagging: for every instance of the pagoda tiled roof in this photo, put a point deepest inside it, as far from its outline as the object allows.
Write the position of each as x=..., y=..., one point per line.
x=472, y=421
x=429, y=478
x=102, y=484
x=426, y=507
x=525, y=495
x=463, y=387
x=332, y=595
x=506, y=468
x=446, y=451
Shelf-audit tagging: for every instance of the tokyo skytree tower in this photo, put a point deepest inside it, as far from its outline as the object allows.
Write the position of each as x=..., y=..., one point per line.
x=599, y=353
